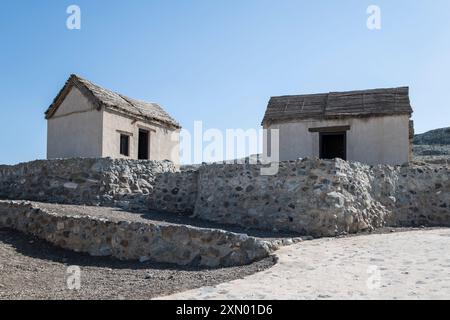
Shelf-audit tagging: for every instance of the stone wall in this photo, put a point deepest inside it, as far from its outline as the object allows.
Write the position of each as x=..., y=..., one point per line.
x=182, y=245
x=175, y=192
x=325, y=197
x=82, y=181
x=309, y=196
x=416, y=195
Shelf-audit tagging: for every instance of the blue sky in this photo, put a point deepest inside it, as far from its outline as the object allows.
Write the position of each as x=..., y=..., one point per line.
x=217, y=61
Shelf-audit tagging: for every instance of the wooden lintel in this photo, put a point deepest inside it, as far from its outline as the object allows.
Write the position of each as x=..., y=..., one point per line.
x=330, y=129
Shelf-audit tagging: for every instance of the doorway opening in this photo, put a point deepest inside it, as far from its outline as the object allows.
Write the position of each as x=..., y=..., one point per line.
x=333, y=145
x=143, y=145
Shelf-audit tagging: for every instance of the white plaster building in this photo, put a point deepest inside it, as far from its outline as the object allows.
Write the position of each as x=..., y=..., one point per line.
x=88, y=121
x=370, y=126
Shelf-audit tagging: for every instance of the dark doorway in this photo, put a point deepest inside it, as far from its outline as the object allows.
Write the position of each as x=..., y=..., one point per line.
x=143, y=146
x=333, y=145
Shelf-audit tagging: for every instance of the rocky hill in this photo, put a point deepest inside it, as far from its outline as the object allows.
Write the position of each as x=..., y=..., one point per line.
x=433, y=137
x=432, y=145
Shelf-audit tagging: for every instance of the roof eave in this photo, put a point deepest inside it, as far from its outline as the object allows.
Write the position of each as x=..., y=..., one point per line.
x=142, y=117
x=267, y=120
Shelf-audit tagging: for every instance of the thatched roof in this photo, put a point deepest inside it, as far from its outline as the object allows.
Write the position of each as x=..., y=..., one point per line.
x=364, y=103
x=101, y=97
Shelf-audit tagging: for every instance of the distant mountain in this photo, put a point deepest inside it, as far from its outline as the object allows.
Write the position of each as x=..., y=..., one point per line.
x=433, y=137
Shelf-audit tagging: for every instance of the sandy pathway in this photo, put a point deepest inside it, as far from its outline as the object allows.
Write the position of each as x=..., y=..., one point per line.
x=406, y=265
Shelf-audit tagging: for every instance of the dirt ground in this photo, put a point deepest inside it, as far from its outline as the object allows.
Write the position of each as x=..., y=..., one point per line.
x=33, y=269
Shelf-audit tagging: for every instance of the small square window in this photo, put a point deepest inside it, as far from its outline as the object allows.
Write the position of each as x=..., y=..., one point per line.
x=124, y=145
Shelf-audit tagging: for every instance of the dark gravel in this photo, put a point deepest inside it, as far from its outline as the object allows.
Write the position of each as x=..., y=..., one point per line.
x=31, y=268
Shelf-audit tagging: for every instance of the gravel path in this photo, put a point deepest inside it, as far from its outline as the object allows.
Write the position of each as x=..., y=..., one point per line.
x=33, y=269
x=399, y=265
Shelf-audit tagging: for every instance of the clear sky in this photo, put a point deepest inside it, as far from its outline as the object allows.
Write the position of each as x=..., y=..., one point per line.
x=217, y=61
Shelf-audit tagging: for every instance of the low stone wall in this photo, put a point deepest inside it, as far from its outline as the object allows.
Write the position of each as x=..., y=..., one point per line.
x=309, y=196
x=182, y=245
x=82, y=181
x=416, y=195
x=175, y=192
x=325, y=197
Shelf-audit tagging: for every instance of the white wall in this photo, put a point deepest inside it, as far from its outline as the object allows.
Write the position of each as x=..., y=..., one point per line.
x=75, y=129
x=164, y=143
x=376, y=140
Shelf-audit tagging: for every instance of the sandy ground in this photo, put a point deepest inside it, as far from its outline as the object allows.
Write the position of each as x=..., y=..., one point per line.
x=33, y=269
x=400, y=265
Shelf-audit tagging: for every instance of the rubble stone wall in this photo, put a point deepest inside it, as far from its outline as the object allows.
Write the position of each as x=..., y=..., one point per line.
x=325, y=197
x=102, y=181
x=178, y=244
x=416, y=195
x=309, y=196
x=174, y=192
